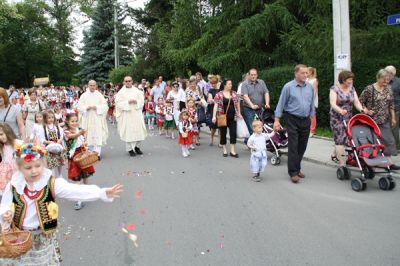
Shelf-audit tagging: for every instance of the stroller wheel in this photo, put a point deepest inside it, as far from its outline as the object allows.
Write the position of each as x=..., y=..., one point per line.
x=368, y=172
x=347, y=173
x=275, y=160
x=384, y=183
x=356, y=184
x=340, y=173
x=392, y=183
x=364, y=186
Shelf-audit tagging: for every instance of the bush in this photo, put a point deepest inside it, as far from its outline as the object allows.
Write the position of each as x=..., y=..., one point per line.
x=117, y=74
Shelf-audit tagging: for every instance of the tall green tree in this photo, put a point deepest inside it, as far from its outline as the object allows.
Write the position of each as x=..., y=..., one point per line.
x=98, y=51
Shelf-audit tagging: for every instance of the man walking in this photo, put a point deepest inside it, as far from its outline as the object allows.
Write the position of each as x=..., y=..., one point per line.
x=395, y=85
x=255, y=95
x=92, y=107
x=129, y=103
x=297, y=101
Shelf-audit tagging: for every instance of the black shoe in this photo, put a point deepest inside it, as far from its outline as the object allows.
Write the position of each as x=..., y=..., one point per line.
x=394, y=167
x=225, y=154
x=256, y=178
x=99, y=158
x=132, y=153
x=138, y=151
x=234, y=155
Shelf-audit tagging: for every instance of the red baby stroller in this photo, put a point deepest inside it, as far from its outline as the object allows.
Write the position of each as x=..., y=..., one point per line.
x=366, y=153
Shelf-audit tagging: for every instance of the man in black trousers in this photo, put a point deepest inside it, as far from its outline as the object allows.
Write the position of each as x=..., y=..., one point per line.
x=297, y=102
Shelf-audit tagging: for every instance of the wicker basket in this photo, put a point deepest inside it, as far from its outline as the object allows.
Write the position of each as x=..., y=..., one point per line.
x=184, y=135
x=15, y=243
x=86, y=159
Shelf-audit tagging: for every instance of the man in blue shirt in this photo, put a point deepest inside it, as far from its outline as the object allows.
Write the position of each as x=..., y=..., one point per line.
x=297, y=101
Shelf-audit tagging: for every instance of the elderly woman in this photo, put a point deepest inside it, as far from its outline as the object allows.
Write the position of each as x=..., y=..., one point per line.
x=29, y=109
x=11, y=115
x=193, y=92
x=378, y=100
x=342, y=97
x=226, y=103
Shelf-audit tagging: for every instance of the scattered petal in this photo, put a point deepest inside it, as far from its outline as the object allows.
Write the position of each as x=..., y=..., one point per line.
x=221, y=245
x=138, y=194
x=202, y=253
x=124, y=230
x=134, y=239
x=142, y=212
x=131, y=227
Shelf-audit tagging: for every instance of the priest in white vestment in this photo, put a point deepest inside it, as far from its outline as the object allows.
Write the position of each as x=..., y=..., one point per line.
x=129, y=103
x=92, y=107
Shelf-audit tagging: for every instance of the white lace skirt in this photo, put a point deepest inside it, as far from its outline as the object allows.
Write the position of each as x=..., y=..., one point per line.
x=45, y=252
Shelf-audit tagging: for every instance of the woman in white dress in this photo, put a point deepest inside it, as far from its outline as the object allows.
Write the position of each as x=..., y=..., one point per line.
x=29, y=109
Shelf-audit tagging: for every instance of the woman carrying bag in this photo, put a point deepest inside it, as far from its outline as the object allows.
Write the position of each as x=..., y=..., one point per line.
x=226, y=111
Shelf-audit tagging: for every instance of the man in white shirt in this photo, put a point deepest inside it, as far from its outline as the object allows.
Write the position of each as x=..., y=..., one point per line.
x=157, y=90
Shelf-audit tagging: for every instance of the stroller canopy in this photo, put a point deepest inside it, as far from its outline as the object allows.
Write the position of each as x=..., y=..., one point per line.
x=362, y=119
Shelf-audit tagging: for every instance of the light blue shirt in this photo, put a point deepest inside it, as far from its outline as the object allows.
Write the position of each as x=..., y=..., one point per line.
x=296, y=99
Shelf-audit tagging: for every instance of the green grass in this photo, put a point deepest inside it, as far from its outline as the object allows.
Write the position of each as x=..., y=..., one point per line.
x=324, y=132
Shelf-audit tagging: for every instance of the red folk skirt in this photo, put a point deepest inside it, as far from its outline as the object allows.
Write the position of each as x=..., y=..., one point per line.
x=186, y=141
x=74, y=172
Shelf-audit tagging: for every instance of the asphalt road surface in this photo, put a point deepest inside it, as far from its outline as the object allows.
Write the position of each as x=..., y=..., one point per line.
x=205, y=210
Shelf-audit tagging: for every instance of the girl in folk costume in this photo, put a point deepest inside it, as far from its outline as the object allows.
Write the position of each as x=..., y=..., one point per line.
x=59, y=116
x=7, y=164
x=160, y=114
x=37, y=129
x=75, y=141
x=111, y=106
x=185, y=133
x=169, y=122
x=52, y=138
x=150, y=112
x=29, y=202
x=193, y=119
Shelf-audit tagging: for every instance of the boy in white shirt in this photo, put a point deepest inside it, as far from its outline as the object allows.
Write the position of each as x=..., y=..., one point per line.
x=257, y=144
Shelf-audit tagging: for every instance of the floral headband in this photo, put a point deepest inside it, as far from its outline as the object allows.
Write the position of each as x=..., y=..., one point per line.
x=29, y=152
x=70, y=111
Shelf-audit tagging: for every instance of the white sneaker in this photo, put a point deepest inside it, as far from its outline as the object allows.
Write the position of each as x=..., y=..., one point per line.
x=78, y=205
x=192, y=147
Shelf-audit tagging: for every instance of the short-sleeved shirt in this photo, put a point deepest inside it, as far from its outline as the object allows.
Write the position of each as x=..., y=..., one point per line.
x=255, y=90
x=11, y=118
x=381, y=102
x=395, y=85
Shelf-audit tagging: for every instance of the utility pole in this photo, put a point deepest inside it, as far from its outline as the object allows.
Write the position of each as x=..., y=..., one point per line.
x=341, y=36
x=116, y=46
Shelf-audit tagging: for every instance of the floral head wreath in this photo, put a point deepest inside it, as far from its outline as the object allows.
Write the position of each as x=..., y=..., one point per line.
x=70, y=111
x=29, y=152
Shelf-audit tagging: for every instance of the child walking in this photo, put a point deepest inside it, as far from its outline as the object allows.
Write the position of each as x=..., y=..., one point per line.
x=75, y=141
x=256, y=142
x=7, y=164
x=149, y=111
x=37, y=129
x=29, y=202
x=52, y=135
x=169, y=122
x=193, y=120
x=185, y=133
x=160, y=114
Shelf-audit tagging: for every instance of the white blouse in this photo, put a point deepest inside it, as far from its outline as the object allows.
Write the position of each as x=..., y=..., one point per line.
x=62, y=189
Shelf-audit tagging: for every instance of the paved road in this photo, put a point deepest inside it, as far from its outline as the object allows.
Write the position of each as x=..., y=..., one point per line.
x=204, y=210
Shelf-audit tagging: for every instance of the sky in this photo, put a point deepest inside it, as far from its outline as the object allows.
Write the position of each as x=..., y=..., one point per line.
x=79, y=26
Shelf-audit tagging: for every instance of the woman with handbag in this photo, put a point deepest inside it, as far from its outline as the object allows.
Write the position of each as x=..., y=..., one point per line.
x=226, y=111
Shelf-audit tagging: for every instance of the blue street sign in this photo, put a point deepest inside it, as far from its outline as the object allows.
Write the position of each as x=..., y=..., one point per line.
x=393, y=19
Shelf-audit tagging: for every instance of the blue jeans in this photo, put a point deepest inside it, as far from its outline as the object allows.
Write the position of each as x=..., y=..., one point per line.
x=249, y=115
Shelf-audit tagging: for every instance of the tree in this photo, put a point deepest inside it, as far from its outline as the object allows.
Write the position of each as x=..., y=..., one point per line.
x=98, y=51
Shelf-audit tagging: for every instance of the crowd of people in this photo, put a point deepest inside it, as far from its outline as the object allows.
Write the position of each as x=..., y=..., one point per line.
x=43, y=129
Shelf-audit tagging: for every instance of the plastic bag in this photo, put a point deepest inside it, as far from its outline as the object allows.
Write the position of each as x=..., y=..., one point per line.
x=242, y=131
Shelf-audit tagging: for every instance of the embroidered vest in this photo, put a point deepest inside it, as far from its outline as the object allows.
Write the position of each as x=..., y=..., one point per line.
x=46, y=196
